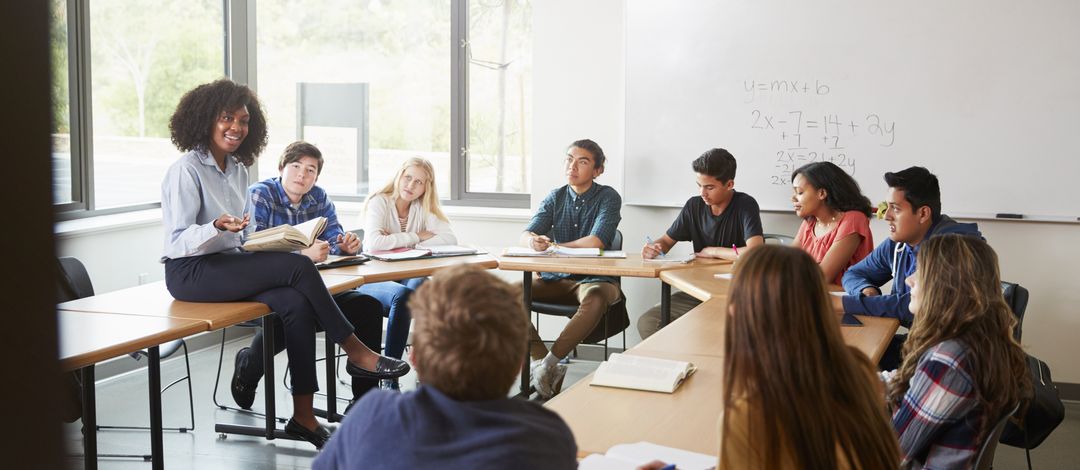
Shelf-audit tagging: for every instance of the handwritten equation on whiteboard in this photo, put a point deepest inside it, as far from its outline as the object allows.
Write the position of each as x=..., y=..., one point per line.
x=801, y=136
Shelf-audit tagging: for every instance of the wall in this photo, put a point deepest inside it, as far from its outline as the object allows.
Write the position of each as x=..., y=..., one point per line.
x=579, y=91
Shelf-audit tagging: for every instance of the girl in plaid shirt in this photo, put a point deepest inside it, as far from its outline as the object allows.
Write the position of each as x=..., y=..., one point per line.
x=962, y=368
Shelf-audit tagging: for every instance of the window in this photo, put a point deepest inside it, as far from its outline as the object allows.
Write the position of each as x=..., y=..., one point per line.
x=112, y=101
x=371, y=84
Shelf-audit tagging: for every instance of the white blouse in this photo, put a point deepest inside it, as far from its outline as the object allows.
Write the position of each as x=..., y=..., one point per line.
x=382, y=215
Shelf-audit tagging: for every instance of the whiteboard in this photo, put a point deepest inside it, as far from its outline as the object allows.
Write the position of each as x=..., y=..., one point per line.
x=983, y=93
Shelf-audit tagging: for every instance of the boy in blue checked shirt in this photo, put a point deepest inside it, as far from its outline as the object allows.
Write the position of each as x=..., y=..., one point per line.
x=582, y=214
x=293, y=199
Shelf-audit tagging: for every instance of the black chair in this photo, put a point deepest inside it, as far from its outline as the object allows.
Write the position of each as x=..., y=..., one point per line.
x=75, y=284
x=778, y=238
x=1017, y=298
x=616, y=319
x=985, y=458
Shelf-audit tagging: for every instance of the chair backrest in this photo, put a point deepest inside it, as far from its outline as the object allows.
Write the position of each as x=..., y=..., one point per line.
x=74, y=280
x=1017, y=298
x=778, y=238
x=985, y=459
x=616, y=242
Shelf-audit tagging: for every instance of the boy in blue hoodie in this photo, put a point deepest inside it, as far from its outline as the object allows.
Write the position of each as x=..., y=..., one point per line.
x=914, y=215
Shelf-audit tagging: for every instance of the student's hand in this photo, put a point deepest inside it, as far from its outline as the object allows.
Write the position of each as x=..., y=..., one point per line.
x=651, y=250
x=348, y=243
x=871, y=291
x=539, y=243
x=708, y=252
x=317, y=251
x=654, y=465
x=383, y=232
x=425, y=235
x=232, y=223
x=837, y=303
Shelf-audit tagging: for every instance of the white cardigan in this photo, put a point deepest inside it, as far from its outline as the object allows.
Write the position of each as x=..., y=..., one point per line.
x=382, y=215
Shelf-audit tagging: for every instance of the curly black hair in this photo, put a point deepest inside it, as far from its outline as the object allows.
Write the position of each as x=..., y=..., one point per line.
x=201, y=107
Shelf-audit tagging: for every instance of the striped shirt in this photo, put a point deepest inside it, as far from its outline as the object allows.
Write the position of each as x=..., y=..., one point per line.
x=565, y=216
x=270, y=206
x=939, y=422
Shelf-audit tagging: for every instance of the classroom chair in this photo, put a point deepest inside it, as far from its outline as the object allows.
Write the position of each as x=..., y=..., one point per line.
x=75, y=284
x=777, y=238
x=616, y=319
x=1017, y=298
x=985, y=459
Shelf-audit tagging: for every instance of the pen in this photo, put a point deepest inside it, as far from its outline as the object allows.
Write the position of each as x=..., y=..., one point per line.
x=736, y=249
x=669, y=466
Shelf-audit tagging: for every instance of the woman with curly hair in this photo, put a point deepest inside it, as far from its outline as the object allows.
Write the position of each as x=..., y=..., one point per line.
x=222, y=129
x=962, y=368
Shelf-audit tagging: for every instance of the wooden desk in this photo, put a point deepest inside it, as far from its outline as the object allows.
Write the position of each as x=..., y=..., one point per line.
x=700, y=282
x=601, y=417
x=631, y=266
x=88, y=338
x=378, y=271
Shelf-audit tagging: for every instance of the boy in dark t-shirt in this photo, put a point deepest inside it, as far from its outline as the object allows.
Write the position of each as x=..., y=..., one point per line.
x=720, y=222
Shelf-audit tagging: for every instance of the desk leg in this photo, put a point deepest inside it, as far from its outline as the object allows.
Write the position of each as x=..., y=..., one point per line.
x=331, y=383
x=157, y=446
x=268, y=375
x=665, y=304
x=89, y=419
x=526, y=289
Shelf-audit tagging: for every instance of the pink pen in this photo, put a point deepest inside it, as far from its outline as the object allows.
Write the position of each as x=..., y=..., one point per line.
x=735, y=249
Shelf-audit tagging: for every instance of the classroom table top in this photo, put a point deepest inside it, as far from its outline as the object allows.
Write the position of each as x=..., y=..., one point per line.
x=601, y=417
x=699, y=282
x=379, y=271
x=154, y=300
x=631, y=266
x=87, y=339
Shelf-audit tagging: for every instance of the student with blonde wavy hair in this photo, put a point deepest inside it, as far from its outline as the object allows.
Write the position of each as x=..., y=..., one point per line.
x=403, y=214
x=795, y=396
x=962, y=367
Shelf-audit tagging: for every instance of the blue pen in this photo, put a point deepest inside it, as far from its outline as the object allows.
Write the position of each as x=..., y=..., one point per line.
x=648, y=241
x=669, y=466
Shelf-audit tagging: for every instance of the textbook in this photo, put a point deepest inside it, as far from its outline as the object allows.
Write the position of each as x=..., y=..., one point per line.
x=630, y=456
x=334, y=261
x=642, y=373
x=672, y=259
x=564, y=252
x=439, y=251
x=286, y=237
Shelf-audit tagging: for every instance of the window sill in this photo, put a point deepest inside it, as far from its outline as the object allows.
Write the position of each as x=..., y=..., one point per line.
x=107, y=223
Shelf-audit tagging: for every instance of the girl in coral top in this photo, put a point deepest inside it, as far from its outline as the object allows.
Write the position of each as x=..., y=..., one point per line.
x=836, y=218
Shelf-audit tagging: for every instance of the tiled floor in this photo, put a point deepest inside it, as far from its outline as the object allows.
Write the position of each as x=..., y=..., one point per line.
x=123, y=400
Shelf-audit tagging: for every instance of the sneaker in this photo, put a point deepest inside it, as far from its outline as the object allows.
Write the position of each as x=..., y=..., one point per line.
x=243, y=394
x=548, y=380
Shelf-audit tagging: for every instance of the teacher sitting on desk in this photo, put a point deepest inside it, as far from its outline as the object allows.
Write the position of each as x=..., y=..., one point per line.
x=222, y=129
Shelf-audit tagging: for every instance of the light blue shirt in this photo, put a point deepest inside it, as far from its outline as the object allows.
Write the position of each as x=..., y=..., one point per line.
x=196, y=192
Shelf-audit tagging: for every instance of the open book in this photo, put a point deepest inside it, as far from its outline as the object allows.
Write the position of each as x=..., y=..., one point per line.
x=630, y=456
x=439, y=251
x=564, y=252
x=642, y=373
x=286, y=237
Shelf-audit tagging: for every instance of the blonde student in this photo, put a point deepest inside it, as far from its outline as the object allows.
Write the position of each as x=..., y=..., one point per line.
x=836, y=218
x=962, y=367
x=403, y=214
x=795, y=396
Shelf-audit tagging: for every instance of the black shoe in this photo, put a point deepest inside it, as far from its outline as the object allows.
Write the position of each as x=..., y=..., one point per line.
x=318, y=437
x=242, y=393
x=385, y=368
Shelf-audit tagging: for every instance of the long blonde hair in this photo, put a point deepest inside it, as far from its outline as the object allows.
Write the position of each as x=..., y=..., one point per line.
x=429, y=201
x=961, y=299
x=806, y=389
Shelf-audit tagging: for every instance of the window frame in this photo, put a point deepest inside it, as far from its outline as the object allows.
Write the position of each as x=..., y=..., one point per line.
x=239, y=27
